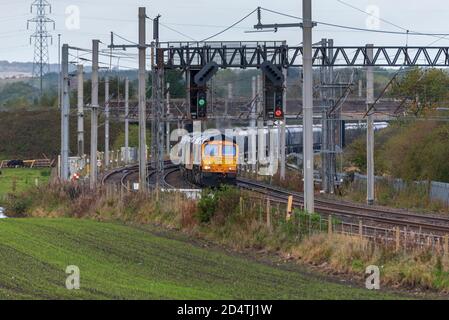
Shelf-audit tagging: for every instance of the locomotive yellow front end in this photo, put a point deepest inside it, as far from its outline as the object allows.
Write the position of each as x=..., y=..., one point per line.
x=218, y=162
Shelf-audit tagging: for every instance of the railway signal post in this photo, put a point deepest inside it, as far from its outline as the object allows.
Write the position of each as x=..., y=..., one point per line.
x=126, y=121
x=283, y=125
x=65, y=114
x=370, y=127
x=80, y=131
x=252, y=125
x=106, y=123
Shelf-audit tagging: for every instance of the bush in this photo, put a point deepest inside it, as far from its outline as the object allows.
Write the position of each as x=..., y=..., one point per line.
x=17, y=207
x=218, y=204
x=206, y=206
x=228, y=199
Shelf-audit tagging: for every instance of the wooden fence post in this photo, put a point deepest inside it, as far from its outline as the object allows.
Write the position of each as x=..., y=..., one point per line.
x=268, y=215
x=178, y=201
x=438, y=245
x=398, y=239
x=446, y=244
x=361, y=229
x=289, y=208
x=329, y=225
x=241, y=205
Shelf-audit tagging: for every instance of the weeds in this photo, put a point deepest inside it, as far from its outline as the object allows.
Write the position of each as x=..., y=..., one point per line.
x=411, y=196
x=240, y=220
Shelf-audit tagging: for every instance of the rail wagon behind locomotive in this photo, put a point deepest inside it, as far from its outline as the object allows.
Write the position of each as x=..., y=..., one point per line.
x=208, y=159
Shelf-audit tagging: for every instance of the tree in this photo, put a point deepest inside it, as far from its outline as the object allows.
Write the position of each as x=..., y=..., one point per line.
x=424, y=88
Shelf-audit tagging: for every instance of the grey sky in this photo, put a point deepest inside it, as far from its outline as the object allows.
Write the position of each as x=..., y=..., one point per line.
x=202, y=18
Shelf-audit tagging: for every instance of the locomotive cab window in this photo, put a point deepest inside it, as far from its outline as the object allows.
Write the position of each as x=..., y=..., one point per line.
x=229, y=150
x=211, y=150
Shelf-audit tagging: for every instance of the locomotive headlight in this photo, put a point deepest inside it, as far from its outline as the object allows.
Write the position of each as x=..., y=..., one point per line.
x=206, y=167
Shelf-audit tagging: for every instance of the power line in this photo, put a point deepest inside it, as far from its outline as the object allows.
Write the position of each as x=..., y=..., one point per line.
x=358, y=28
x=230, y=27
x=123, y=38
x=174, y=30
x=391, y=23
x=369, y=14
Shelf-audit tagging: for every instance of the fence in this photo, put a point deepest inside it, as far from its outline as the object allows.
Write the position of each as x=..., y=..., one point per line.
x=275, y=214
x=35, y=163
x=395, y=237
x=436, y=191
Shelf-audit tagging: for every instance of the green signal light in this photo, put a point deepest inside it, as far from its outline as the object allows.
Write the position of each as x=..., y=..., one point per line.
x=201, y=102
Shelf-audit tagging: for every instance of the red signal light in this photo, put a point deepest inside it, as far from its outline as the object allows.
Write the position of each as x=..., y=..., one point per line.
x=278, y=113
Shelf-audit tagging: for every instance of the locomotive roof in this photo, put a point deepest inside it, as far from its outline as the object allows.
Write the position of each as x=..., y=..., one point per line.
x=202, y=137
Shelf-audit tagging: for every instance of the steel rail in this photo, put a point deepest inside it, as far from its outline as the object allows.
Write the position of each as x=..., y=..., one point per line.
x=431, y=223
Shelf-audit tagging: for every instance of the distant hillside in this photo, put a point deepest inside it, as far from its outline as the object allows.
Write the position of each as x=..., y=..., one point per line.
x=21, y=67
x=30, y=134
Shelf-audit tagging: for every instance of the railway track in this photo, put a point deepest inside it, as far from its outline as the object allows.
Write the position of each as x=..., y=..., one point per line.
x=126, y=175
x=115, y=176
x=431, y=223
x=345, y=210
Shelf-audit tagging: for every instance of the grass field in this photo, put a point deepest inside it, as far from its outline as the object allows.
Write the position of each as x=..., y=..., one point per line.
x=22, y=178
x=124, y=262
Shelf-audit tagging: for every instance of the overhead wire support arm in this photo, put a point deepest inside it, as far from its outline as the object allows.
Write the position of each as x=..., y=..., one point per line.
x=124, y=46
x=275, y=26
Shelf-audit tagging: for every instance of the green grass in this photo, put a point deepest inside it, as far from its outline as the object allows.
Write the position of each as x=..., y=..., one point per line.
x=23, y=178
x=124, y=262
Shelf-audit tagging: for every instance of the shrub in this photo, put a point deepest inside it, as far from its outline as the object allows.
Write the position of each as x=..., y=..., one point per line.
x=17, y=206
x=206, y=206
x=218, y=204
x=228, y=199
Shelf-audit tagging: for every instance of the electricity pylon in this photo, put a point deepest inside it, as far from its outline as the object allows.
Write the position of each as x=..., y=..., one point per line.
x=40, y=38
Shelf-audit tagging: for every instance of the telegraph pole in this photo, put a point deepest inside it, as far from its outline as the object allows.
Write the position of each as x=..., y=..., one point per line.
x=80, y=110
x=126, y=120
x=336, y=116
x=324, y=125
x=65, y=114
x=260, y=121
x=370, y=127
x=158, y=112
x=283, y=127
x=307, y=26
x=167, y=124
x=106, y=122
x=142, y=102
x=329, y=116
x=253, y=125
x=94, y=116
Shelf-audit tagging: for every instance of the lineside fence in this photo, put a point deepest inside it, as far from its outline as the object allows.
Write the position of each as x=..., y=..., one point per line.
x=299, y=224
x=436, y=191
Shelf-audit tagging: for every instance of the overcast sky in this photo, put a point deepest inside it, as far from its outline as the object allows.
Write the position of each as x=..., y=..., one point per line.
x=199, y=19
